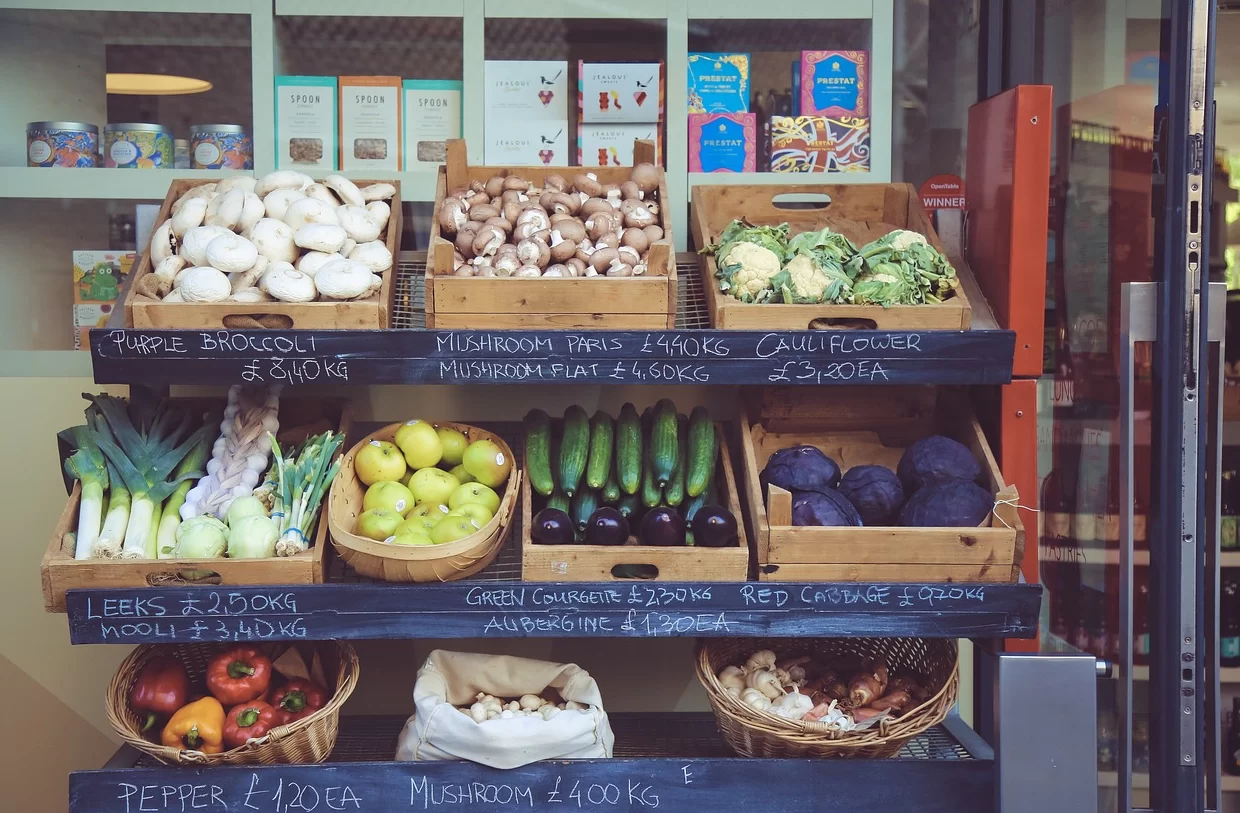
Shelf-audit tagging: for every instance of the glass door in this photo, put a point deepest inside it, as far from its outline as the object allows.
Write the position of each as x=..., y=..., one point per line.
x=1112, y=402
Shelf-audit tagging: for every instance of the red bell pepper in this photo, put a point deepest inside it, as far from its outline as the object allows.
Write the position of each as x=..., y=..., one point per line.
x=249, y=721
x=238, y=675
x=299, y=698
x=161, y=689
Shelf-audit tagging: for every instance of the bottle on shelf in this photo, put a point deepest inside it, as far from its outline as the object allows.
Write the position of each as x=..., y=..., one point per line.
x=1140, y=743
x=1229, y=623
x=1108, y=738
x=1141, y=619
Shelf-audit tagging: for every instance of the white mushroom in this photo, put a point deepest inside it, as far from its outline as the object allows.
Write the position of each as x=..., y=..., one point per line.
x=204, y=284
x=378, y=191
x=308, y=210
x=379, y=212
x=358, y=223
x=249, y=295
x=231, y=254
x=274, y=240
x=312, y=261
x=245, y=183
x=206, y=191
x=528, y=271
x=194, y=243
x=345, y=189
x=374, y=255
x=281, y=179
x=192, y=214
x=161, y=243
x=226, y=209
x=349, y=245
x=277, y=202
x=248, y=279
x=166, y=272
x=320, y=192
x=252, y=211
x=320, y=237
x=343, y=279
x=173, y=296
x=287, y=284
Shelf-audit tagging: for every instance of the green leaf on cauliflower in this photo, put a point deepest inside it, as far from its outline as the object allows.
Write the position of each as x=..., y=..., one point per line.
x=747, y=256
x=822, y=242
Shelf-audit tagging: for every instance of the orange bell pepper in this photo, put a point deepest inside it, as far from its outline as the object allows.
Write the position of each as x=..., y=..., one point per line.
x=196, y=727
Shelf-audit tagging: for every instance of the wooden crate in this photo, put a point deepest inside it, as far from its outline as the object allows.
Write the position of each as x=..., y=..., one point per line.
x=62, y=572
x=371, y=313
x=856, y=426
x=861, y=212
x=583, y=563
x=632, y=303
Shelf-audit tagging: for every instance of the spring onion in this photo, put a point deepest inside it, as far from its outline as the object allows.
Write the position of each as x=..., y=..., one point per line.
x=301, y=479
x=166, y=536
x=88, y=466
x=144, y=455
x=111, y=538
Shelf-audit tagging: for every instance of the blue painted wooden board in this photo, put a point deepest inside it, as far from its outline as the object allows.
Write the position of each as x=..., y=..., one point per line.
x=668, y=785
x=548, y=610
x=552, y=357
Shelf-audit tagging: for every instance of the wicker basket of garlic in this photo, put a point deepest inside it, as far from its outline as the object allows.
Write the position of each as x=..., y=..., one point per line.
x=281, y=251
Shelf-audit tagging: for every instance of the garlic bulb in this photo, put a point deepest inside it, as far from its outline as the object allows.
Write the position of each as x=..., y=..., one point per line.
x=762, y=659
x=793, y=706
x=765, y=682
x=732, y=676
x=755, y=698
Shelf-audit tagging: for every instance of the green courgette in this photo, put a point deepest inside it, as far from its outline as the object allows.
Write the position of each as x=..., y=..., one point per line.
x=652, y=492
x=574, y=448
x=629, y=449
x=559, y=500
x=602, y=443
x=664, y=447
x=611, y=489
x=630, y=505
x=674, y=491
x=692, y=504
x=538, y=451
x=585, y=503
x=703, y=451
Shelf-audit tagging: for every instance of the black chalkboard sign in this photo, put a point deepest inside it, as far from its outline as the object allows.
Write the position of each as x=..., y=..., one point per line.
x=551, y=357
x=621, y=785
x=549, y=610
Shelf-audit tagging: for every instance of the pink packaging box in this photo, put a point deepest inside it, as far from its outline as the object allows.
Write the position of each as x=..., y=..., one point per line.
x=723, y=142
x=835, y=83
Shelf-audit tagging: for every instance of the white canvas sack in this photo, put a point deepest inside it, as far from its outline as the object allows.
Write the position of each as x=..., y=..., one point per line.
x=449, y=680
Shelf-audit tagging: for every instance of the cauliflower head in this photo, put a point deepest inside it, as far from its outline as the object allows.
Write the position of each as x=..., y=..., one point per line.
x=901, y=239
x=806, y=280
x=749, y=269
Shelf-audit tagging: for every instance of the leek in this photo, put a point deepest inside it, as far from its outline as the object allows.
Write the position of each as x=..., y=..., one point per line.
x=144, y=456
x=111, y=538
x=166, y=535
x=301, y=482
x=88, y=466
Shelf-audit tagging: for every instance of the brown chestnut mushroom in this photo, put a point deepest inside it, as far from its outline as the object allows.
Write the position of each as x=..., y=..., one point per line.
x=544, y=200
x=653, y=233
x=524, y=230
x=570, y=229
x=555, y=182
x=601, y=223
x=646, y=176
x=629, y=190
x=536, y=216
x=577, y=266
x=593, y=205
x=482, y=212
x=489, y=239
x=511, y=211
x=466, y=270
x=556, y=272
x=534, y=252
x=587, y=182
x=619, y=269
x=477, y=186
x=561, y=249
x=561, y=202
x=609, y=240
x=500, y=223
x=465, y=242
x=561, y=217
x=639, y=218
x=494, y=186
x=603, y=257
x=528, y=271
x=452, y=215
x=629, y=255
x=516, y=184
x=636, y=239
x=585, y=251
x=506, y=264
x=460, y=192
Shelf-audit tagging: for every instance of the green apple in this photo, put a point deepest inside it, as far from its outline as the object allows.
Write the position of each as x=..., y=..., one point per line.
x=390, y=495
x=424, y=523
x=432, y=485
x=378, y=461
x=453, y=443
x=474, y=493
x=487, y=462
x=478, y=513
x=378, y=524
x=429, y=509
x=459, y=473
x=407, y=534
x=451, y=528
x=420, y=443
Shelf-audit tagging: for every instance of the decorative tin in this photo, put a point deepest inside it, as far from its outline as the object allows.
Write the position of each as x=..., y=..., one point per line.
x=820, y=144
x=220, y=146
x=61, y=144
x=180, y=147
x=138, y=146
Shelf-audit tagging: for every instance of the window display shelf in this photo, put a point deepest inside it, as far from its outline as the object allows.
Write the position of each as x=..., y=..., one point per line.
x=675, y=762
x=777, y=178
x=790, y=10
x=133, y=6
x=97, y=184
x=370, y=8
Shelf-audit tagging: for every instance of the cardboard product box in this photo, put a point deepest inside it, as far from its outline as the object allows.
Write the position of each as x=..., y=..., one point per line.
x=432, y=116
x=718, y=83
x=86, y=318
x=723, y=142
x=536, y=143
x=835, y=83
x=610, y=92
x=518, y=91
x=820, y=144
x=370, y=122
x=611, y=145
x=306, y=123
x=98, y=276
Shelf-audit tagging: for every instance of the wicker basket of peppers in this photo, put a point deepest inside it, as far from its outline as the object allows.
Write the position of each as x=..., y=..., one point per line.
x=222, y=704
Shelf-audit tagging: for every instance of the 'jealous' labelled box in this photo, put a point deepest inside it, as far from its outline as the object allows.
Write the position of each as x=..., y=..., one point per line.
x=306, y=122
x=370, y=122
x=620, y=92
x=723, y=142
x=718, y=83
x=611, y=145
x=432, y=116
x=835, y=83
x=820, y=144
x=537, y=143
x=521, y=91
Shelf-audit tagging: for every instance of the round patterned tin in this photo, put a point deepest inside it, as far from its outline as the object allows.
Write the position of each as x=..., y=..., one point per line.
x=61, y=144
x=138, y=146
x=221, y=146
